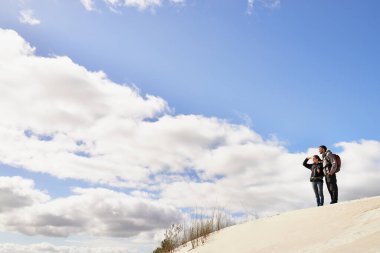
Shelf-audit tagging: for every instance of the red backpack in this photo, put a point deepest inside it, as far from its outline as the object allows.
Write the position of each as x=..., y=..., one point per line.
x=338, y=162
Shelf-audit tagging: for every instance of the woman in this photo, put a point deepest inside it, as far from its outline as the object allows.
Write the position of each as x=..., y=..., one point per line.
x=316, y=177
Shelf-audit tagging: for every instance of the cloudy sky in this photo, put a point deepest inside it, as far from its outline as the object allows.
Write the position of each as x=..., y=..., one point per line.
x=117, y=117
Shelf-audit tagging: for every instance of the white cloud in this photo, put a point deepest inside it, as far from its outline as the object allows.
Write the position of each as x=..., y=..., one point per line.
x=88, y=4
x=260, y=178
x=14, y=46
x=27, y=17
x=83, y=111
x=17, y=192
x=360, y=171
x=94, y=211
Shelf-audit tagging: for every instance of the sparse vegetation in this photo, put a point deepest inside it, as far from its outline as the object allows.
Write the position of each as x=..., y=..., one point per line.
x=195, y=232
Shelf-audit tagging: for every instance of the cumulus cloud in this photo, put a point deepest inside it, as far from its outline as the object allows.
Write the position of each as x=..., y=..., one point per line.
x=94, y=211
x=17, y=192
x=360, y=171
x=27, y=17
x=64, y=112
x=261, y=178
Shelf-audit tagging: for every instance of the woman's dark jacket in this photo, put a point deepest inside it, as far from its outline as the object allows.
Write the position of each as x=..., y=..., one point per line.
x=315, y=175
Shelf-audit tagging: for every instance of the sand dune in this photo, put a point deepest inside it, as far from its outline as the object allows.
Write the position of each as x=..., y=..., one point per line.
x=344, y=227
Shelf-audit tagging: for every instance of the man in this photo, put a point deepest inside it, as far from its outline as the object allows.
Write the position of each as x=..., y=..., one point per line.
x=330, y=166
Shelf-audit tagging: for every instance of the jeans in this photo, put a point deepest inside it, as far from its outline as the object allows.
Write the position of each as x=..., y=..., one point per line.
x=318, y=190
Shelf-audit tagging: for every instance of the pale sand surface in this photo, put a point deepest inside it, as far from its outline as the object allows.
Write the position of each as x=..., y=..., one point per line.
x=349, y=227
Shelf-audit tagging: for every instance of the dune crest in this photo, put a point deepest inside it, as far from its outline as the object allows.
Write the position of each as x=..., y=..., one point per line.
x=352, y=226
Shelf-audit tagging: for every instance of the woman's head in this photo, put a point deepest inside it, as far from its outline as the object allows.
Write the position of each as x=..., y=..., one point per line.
x=316, y=159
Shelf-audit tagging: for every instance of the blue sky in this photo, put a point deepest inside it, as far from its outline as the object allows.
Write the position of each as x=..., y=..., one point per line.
x=198, y=96
x=279, y=66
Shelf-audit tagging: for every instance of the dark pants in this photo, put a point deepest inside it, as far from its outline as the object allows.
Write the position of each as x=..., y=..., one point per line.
x=318, y=190
x=332, y=187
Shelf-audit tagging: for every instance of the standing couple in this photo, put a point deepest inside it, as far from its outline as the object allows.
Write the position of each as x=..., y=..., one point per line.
x=327, y=167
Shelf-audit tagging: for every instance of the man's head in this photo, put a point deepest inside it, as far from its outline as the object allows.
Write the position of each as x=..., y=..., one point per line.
x=322, y=149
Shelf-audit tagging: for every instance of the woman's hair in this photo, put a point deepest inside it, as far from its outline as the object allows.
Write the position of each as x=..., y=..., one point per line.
x=318, y=158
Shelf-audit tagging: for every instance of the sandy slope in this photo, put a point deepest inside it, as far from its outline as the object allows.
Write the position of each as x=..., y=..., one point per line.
x=344, y=227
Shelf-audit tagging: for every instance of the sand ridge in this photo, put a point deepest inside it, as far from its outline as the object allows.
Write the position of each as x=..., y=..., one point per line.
x=349, y=227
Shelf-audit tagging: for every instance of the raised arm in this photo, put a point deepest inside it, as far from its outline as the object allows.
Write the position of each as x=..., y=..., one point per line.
x=306, y=164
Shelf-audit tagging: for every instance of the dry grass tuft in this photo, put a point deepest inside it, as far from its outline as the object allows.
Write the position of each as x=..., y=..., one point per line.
x=196, y=231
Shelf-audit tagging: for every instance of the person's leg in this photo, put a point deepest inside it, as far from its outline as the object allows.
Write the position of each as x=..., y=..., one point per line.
x=336, y=185
x=315, y=188
x=328, y=185
x=320, y=192
x=334, y=190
